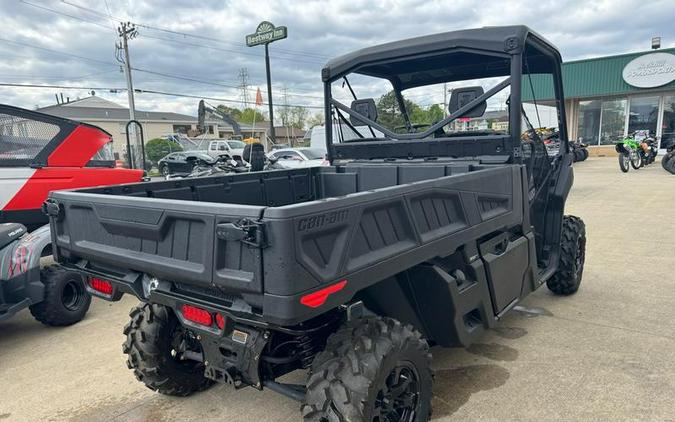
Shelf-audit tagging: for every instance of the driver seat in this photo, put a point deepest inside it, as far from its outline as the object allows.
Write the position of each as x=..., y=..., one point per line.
x=9, y=232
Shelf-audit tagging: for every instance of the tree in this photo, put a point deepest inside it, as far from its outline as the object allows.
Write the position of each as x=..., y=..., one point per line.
x=157, y=148
x=293, y=116
x=318, y=119
x=299, y=116
x=249, y=115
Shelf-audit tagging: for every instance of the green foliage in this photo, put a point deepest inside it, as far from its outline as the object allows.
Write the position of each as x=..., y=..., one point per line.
x=246, y=115
x=249, y=115
x=391, y=117
x=293, y=116
x=157, y=148
x=317, y=119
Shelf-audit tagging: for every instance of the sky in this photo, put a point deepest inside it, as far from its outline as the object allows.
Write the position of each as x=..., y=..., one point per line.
x=197, y=48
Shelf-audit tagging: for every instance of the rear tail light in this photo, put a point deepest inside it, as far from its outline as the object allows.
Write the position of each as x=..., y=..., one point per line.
x=101, y=286
x=197, y=315
x=220, y=321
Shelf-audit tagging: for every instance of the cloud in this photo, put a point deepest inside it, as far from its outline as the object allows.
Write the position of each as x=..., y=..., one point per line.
x=317, y=31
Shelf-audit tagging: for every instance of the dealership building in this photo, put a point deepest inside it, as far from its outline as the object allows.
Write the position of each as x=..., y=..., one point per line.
x=607, y=98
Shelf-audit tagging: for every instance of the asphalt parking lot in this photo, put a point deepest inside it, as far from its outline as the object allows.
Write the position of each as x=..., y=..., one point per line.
x=607, y=353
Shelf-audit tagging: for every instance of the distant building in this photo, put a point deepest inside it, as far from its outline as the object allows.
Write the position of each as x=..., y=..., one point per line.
x=113, y=118
x=291, y=136
x=496, y=120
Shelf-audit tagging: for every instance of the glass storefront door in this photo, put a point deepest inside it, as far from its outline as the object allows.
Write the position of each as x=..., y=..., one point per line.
x=613, y=121
x=643, y=114
x=589, y=122
x=668, y=125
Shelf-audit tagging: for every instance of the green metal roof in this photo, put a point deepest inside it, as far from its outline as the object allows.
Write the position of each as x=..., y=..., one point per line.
x=597, y=77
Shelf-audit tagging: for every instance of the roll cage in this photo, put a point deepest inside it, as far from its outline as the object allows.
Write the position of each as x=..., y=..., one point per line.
x=510, y=52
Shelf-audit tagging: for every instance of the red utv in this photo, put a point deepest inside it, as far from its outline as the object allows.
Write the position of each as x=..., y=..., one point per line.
x=40, y=153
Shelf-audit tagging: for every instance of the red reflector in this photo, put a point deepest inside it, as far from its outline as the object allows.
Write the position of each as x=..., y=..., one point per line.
x=220, y=321
x=101, y=286
x=197, y=315
x=318, y=298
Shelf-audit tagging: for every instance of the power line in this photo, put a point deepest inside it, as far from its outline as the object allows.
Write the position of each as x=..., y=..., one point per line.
x=8, y=84
x=58, y=52
x=171, y=31
x=228, y=50
x=142, y=91
x=65, y=78
x=166, y=75
x=225, y=100
x=63, y=14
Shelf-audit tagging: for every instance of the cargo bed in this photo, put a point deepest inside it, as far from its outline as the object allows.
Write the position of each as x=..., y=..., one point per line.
x=258, y=242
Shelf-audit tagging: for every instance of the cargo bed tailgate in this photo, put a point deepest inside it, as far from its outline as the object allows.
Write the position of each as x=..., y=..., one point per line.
x=167, y=239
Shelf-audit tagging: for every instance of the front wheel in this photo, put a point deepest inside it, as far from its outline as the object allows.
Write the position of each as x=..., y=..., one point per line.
x=567, y=278
x=373, y=369
x=624, y=162
x=164, y=170
x=154, y=345
x=66, y=299
x=636, y=160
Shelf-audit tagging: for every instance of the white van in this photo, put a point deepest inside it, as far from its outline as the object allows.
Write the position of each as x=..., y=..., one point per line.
x=318, y=137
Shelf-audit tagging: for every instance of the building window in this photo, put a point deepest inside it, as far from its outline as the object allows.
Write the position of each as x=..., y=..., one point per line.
x=668, y=126
x=644, y=113
x=589, y=121
x=613, y=121
x=181, y=129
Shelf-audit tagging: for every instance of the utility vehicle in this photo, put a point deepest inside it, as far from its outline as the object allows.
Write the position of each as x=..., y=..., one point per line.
x=350, y=270
x=40, y=153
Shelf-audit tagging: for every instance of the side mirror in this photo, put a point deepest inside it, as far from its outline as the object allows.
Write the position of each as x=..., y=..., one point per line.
x=463, y=96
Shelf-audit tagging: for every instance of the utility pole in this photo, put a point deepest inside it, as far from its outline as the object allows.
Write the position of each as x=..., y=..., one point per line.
x=287, y=113
x=445, y=99
x=127, y=31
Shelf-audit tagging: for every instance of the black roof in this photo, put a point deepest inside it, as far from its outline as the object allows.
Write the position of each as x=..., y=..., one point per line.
x=400, y=61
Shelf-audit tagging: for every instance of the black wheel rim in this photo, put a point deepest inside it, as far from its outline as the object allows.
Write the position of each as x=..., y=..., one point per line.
x=397, y=400
x=72, y=295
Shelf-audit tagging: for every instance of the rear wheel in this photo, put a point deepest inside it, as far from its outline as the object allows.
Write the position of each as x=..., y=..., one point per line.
x=567, y=278
x=624, y=162
x=154, y=337
x=373, y=369
x=66, y=299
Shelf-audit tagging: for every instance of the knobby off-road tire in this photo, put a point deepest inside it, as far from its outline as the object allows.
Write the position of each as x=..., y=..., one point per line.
x=624, y=162
x=370, y=367
x=567, y=279
x=668, y=162
x=636, y=161
x=151, y=335
x=66, y=299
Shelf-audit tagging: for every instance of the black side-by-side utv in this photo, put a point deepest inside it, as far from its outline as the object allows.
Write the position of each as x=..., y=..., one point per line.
x=351, y=271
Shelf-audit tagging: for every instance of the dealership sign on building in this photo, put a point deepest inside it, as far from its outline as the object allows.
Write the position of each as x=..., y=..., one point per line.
x=650, y=71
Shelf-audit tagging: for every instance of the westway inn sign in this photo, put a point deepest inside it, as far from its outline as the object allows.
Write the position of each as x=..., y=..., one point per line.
x=266, y=33
x=650, y=70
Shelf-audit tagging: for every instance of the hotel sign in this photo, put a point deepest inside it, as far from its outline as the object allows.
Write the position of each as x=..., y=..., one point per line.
x=266, y=33
x=650, y=71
